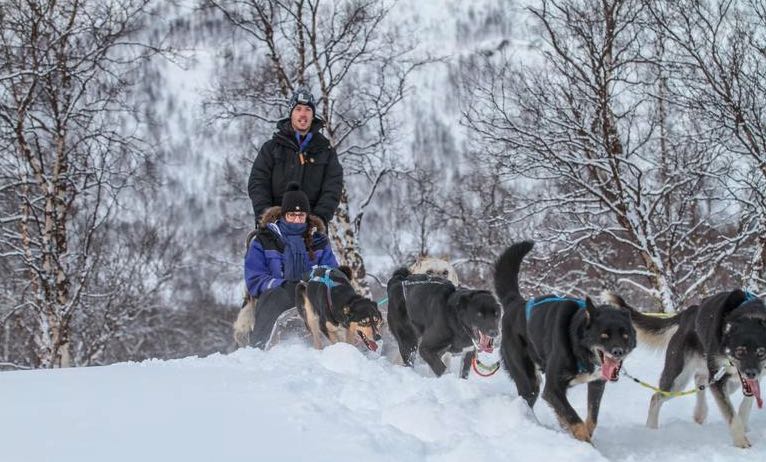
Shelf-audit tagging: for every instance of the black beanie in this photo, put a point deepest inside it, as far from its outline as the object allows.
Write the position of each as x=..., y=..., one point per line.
x=295, y=200
x=302, y=96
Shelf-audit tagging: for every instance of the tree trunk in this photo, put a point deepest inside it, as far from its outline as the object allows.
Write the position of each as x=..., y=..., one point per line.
x=754, y=277
x=346, y=245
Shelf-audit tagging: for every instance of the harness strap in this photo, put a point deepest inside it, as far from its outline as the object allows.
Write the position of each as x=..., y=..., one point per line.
x=325, y=278
x=533, y=303
x=329, y=283
x=674, y=394
x=428, y=280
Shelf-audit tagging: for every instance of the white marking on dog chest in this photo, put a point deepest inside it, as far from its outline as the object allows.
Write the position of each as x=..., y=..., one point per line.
x=586, y=377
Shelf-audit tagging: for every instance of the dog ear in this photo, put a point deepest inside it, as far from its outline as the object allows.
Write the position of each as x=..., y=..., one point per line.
x=347, y=271
x=611, y=298
x=459, y=299
x=590, y=310
x=300, y=289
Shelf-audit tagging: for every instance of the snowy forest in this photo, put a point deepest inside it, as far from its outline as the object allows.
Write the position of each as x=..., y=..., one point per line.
x=626, y=137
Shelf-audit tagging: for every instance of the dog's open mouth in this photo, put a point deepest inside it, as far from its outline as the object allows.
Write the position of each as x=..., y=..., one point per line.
x=610, y=366
x=485, y=341
x=369, y=343
x=751, y=387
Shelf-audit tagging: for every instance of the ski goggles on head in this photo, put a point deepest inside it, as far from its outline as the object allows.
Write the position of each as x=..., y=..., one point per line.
x=302, y=96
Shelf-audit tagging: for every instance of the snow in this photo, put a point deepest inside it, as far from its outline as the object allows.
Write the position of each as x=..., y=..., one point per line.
x=294, y=403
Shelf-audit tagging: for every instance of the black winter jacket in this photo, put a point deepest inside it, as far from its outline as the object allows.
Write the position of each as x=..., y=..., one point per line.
x=278, y=163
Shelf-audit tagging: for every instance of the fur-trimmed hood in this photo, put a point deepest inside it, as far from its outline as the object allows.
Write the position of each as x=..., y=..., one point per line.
x=272, y=215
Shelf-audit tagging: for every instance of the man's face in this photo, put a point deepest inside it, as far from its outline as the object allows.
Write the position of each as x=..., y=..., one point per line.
x=301, y=118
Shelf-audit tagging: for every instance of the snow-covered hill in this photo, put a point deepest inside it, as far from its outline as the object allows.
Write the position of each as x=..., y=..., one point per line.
x=294, y=403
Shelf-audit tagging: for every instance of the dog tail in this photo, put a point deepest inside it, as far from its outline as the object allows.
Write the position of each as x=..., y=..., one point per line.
x=507, y=269
x=652, y=331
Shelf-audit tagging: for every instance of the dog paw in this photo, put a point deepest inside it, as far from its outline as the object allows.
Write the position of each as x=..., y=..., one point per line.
x=700, y=414
x=581, y=432
x=244, y=325
x=242, y=338
x=742, y=442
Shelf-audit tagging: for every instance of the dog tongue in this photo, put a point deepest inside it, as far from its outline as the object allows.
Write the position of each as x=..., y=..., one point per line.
x=371, y=345
x=755, y=389
x=610, y=368
x=485, y=342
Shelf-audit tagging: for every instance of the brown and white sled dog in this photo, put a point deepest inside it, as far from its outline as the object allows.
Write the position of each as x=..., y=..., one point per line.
x=332, y=309
x=721, y=344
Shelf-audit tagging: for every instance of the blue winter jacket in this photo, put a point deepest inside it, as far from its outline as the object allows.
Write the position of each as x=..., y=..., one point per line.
x=264, y=261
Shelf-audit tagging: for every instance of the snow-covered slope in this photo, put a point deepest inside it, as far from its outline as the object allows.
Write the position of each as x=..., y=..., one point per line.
x=294, y=403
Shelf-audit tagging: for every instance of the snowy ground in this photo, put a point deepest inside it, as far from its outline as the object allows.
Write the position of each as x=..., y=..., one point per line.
x=294, y=403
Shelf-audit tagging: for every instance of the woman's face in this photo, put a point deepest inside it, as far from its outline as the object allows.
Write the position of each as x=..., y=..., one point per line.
x=295, y=217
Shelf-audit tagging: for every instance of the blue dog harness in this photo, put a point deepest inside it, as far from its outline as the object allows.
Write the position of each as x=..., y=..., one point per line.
x=535, y=302
x=532, y=303
x=325, y=278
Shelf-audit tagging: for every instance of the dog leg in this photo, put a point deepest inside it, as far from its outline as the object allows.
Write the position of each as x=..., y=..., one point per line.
x=335, y=335
x=700, y=407
x=312, y=322
x=595, y=393
x=736, y=427
x=652, y=420
x=407, y=348
x=675, y=375
x=431, y=348
x=245, y=323
x=554, y=394
x=465, y=370
x=446, y=358
x=522, y=370
x=744, y=411
x=403, y=331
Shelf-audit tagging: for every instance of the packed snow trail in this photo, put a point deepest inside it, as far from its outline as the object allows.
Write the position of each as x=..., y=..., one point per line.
x=294, y=403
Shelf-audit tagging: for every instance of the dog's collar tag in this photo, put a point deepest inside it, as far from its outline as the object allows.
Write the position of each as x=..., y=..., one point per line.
x=719, y=374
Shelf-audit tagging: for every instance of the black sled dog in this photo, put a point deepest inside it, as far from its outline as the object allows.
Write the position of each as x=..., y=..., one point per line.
x=721, y=344
x=330, y=307
x=430, y=315
x=571, y=340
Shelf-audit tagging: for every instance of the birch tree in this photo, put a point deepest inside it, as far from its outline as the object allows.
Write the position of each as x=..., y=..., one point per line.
x=719, y=77
x=623, y=182
x=67, y=150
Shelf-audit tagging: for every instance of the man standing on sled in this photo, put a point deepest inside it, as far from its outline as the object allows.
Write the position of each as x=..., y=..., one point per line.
x=299, y=153
x=288, y=243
